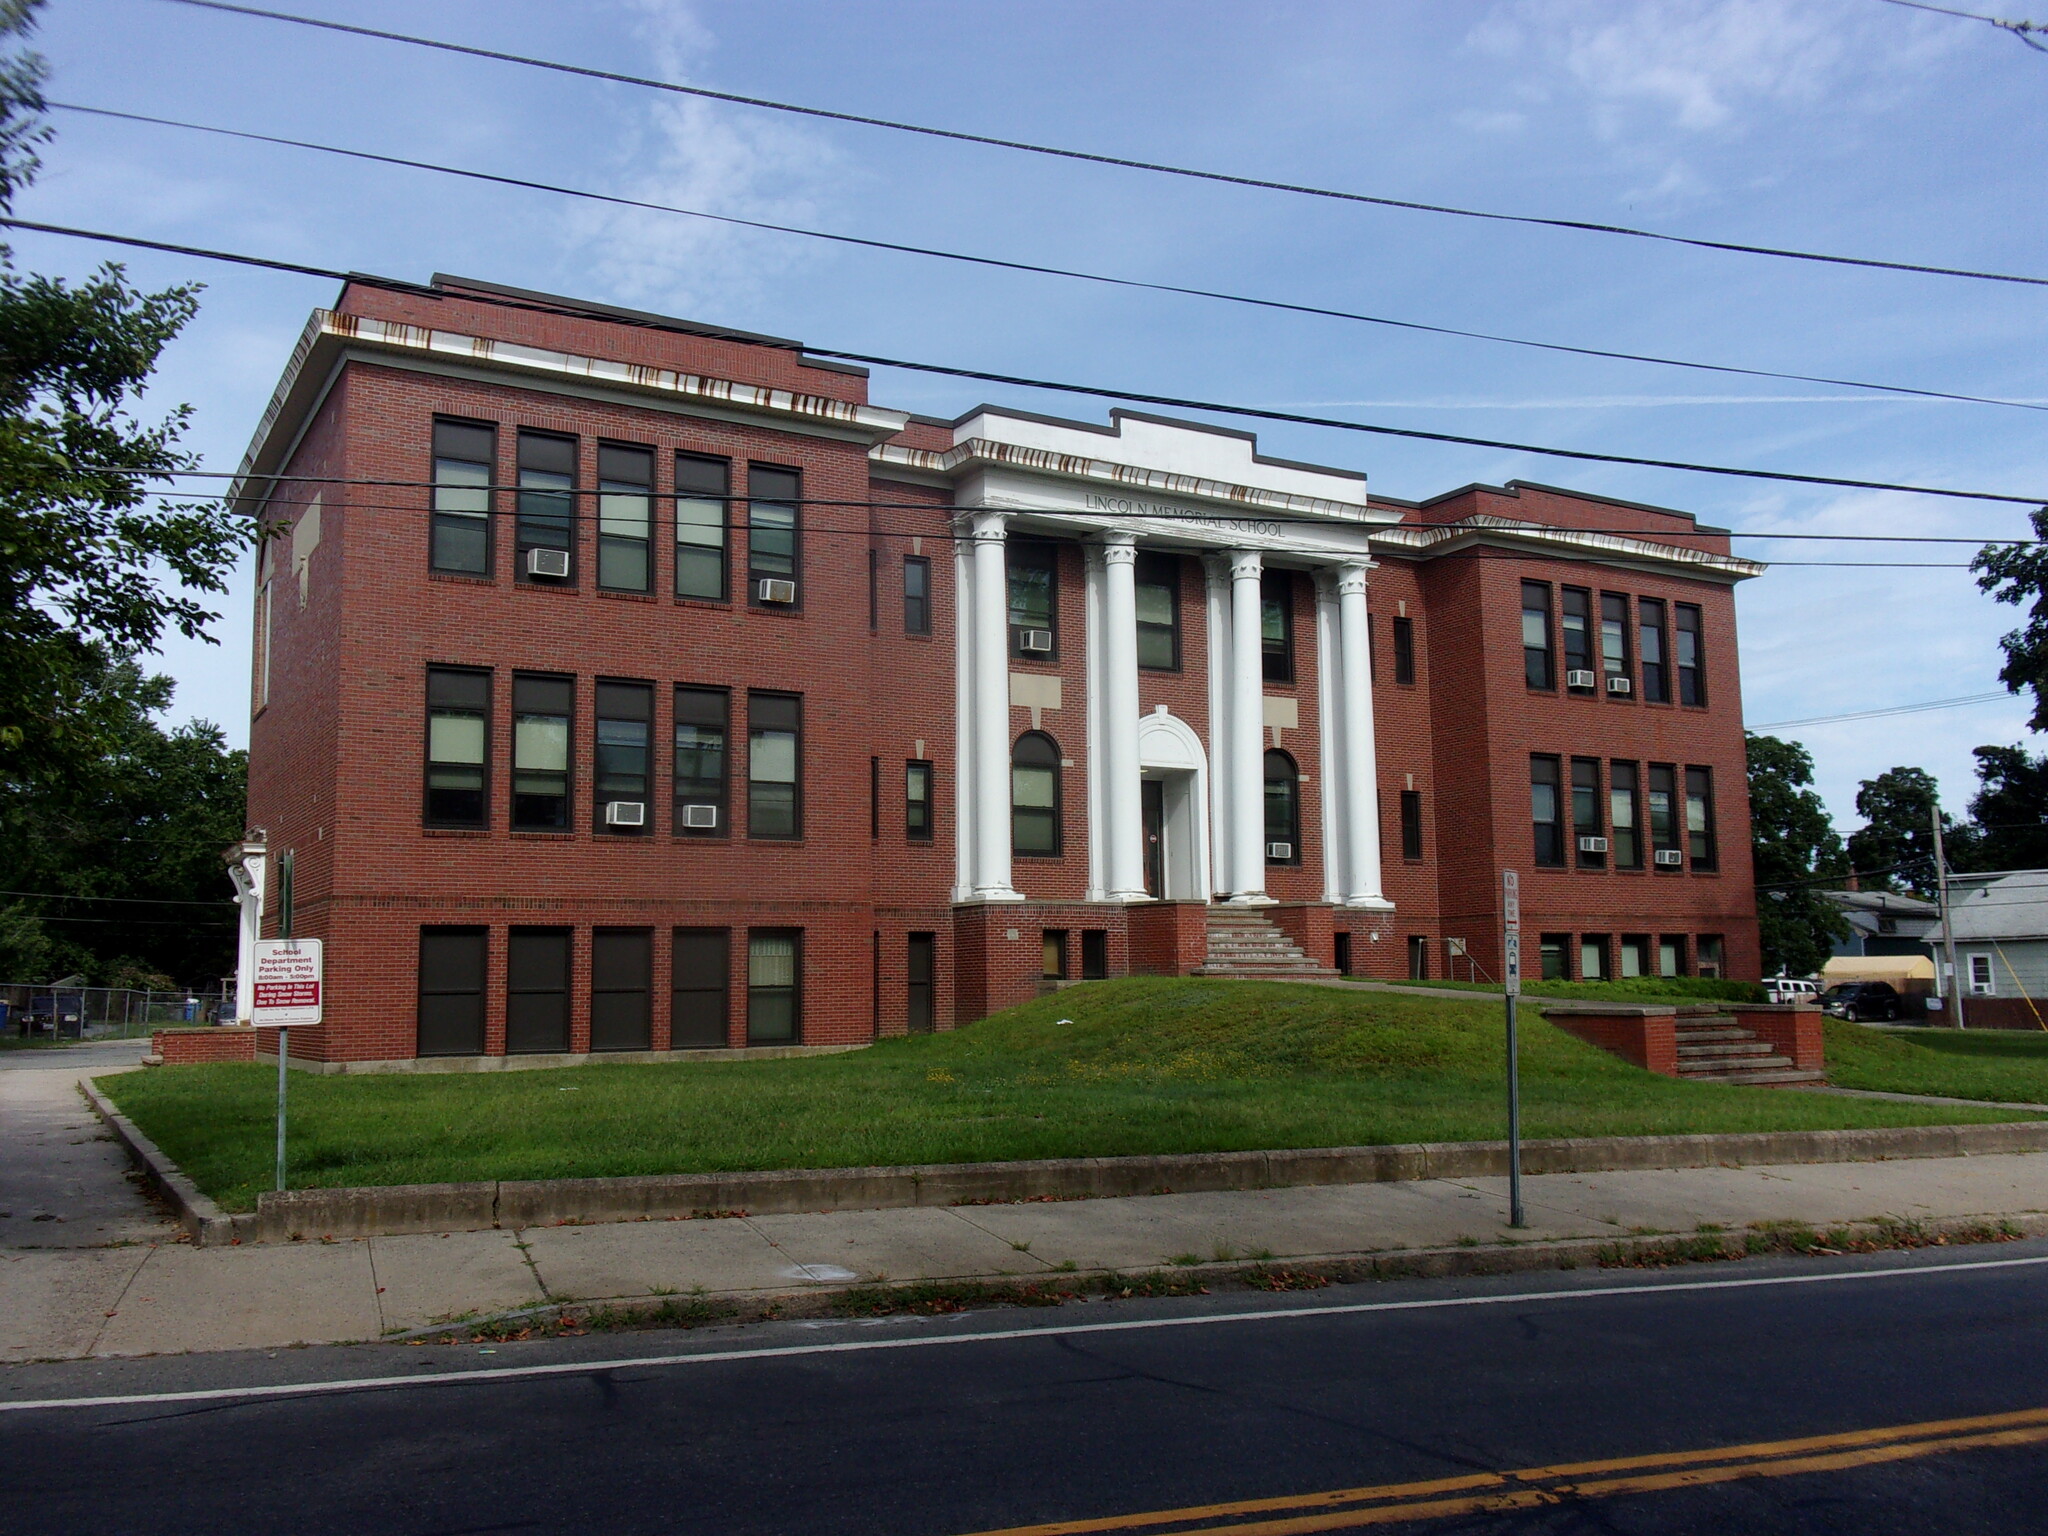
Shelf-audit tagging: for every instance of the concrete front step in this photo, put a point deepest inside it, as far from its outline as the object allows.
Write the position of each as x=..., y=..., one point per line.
x=1722, y=1049
x=1786, y=1076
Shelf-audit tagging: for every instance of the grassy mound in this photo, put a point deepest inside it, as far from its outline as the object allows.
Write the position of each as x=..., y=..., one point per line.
x=1112, y=1068
x=2010, y=1066
x=1637, y=989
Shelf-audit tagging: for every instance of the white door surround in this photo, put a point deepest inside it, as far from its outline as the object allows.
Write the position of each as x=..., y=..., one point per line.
x=1170, y=751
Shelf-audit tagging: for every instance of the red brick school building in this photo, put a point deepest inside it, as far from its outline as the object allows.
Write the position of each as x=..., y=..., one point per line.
x=629, y=685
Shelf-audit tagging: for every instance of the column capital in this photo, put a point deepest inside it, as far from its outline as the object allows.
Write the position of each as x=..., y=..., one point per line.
x=1216, y=568
x=987, y=524
x=1119, y=546
x=1245, y=565
x=1350, y=578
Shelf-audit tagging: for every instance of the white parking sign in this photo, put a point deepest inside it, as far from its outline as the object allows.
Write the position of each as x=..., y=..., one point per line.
x=288, y=982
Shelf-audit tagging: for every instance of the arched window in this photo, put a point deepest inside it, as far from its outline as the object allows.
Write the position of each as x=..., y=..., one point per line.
x=1035, y=795
x=1283, y=809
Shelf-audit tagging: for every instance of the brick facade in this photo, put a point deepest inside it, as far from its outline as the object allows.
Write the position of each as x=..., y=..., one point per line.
x=348, y=627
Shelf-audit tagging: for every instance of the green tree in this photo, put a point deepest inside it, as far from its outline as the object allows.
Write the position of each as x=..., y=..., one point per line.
x=1895, y=847
x=1795, y=848
x=2018, y=574
x=94, y=567
x=2008, y=827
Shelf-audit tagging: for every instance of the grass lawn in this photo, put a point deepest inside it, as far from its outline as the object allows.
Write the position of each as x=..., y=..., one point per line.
x=2003, y=1064
x=1640, y=989
x=1145, y=1065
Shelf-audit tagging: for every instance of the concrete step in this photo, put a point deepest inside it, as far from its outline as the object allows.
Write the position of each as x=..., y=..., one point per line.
x=1725, y=1069
x=1690, y=1036
x=1787, y=1076
x=1722, y=1049
x=1302, y=972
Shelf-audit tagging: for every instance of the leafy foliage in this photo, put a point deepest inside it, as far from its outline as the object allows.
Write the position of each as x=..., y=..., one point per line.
x=1795, y=846
x=2018, y=574
x=2009, y=813
x=1896, y=844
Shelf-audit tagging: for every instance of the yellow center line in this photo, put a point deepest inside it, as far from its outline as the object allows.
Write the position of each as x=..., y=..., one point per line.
x=1312, y=1512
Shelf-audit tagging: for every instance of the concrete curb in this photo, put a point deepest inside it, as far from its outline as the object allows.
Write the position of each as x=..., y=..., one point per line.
x=1293, y=1273
x=204, y=1222
x=374, y=1212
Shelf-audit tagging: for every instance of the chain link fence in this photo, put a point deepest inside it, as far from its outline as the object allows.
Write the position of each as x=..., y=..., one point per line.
x=45, y=1012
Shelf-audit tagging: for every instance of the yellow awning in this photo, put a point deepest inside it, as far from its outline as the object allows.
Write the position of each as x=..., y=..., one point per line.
x=1891, y=968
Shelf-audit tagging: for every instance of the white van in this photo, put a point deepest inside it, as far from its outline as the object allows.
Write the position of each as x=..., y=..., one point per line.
x=1791, y=989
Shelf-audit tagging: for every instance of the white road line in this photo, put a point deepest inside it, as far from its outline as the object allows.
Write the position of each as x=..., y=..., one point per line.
x=1049, y=1331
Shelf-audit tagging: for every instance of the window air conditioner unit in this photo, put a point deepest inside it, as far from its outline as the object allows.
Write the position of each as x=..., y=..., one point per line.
x=775, y=590
x=1579, y=678
x=1034, y=640
x=625, y=813
x=548, y=562
x=1592, y=845
x=1670, y=858
x=700, y=815
x=1620, y=685
x=1279, y=850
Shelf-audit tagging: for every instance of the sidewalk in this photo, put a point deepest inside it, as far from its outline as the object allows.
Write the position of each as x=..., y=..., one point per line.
x=157, y=1296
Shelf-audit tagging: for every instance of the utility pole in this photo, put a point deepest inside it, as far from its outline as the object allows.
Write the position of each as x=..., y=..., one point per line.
x=1948, y=934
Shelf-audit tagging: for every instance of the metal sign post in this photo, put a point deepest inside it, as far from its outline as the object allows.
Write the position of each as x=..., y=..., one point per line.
x=288, y=991
x=1511, y=957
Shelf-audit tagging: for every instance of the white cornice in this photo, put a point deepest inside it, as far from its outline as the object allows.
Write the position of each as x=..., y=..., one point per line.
x=1484, y=528
x=330, y=332
x=981, y=452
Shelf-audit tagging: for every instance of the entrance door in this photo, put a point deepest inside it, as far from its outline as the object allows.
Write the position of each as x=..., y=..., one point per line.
x=1153, y=794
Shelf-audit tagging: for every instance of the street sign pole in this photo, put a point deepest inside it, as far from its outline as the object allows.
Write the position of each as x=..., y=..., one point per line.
x=286, y=990
x=1511, y=955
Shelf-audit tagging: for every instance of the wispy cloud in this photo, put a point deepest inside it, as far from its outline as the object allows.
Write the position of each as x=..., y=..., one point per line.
x=1611, y=402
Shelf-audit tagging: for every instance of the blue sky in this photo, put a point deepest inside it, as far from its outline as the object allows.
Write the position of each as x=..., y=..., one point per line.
x=1837, y=125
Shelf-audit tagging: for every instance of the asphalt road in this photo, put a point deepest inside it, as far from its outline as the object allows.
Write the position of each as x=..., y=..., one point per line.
x=1106, y=1413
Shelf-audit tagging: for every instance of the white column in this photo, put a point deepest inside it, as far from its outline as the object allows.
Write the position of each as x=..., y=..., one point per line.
x=1330, y=743
x=1216, y=569
x=964, y=846
x=246, y=869
x=1361, y=765
x=1247, y=731
x=1098, y=816
x=991, y=713
x=1122, y=802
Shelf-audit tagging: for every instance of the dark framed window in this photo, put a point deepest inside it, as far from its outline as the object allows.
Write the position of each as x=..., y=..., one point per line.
x=1586, y=812
x=918, y=787
x=1052, y=954
x=1650, y=650
x=1691, y=658
x=1158, y=596
x=1635, y=955
x=1283, y=809
x=625, y=518
x=542, y=709
x=1276, y=625
x=1624, y=816
x=921, y=1015
x=458, y=788
x=1614, y=658
x=1418, y=957
x=774, y=536
x=453, y=963
x=875, y=589
x=1671, y=954
x=465, y=460
x=775, y=765
x=917, y=595
x=1699, y=817
x=1411, y=823
x=546, y=532
x=623, y=780
x=1035, y=796
x=1537, y=668
x=621, y=987
x=1094, y=954
x=1552, y=951
x=1033, y=573
x=1544, y=810
x=703, y=526
x=701, y=758
x=1404, y=651
x=1575, y=622
x=1593, y=957
x=537, y=991
x=1340, y=951
x=874, y=797
x=700, y=982
x=774, y=986
x=1663, y=807
x=1708, y=956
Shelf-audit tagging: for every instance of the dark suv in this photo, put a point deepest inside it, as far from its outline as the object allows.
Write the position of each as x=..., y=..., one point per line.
x=1861, y=1000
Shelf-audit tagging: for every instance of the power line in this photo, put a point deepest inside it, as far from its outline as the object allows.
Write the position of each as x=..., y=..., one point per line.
x=1004, y=264
x=1897, y=709
x=140, y=901
x=2022, y=30
x=1021, y=381
x=1582, y=225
